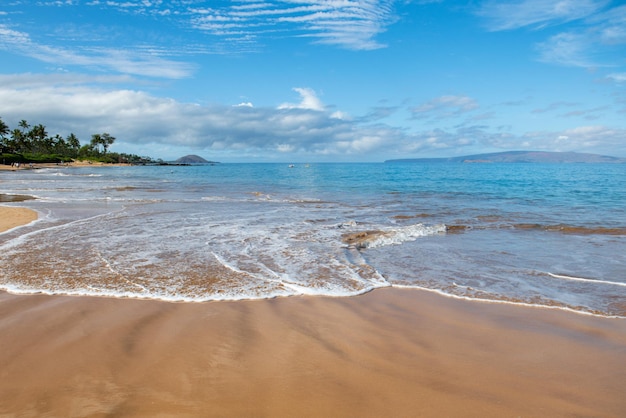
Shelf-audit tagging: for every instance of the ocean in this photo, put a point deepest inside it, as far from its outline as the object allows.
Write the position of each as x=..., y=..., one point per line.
x=550, y=235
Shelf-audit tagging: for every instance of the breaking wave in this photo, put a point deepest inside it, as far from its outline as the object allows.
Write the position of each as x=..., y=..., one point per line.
x=391, y=236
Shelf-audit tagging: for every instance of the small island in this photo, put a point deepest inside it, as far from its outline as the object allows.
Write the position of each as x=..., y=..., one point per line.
x=193, y=159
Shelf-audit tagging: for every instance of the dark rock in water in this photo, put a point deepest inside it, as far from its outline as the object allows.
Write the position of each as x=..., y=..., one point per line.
x=14, y=197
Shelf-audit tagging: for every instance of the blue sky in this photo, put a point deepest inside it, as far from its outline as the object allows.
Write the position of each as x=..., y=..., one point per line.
x=312, y=80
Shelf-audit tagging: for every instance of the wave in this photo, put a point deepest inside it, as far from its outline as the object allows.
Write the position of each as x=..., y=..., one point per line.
x=74, y=174
x=582, y=279
x=510, y=302
x=391, y=236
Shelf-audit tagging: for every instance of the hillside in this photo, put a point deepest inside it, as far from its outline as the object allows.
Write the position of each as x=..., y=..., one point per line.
x=519, y=157
x=192, y=159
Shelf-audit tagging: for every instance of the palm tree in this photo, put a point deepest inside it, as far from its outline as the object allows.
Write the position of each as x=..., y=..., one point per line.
x=39, y=138
x=73, y=143
x=96, y=141
x=17, y=143
x=24, y=125
x=106, y=141
x=4, y=129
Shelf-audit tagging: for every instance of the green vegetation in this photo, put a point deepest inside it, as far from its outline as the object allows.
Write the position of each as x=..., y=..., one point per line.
x=33, y=144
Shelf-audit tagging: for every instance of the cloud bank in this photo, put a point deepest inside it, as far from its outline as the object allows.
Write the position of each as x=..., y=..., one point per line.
x=307, y=130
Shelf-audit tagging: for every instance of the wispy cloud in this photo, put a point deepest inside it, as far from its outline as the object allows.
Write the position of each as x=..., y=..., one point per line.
x=554, y=107
x=597, y=41
x=568, y=49
x=617, y=77
x=134, y=62
x=444, y=107
x=587, y=114
x=348, y=24
x=515, y=14
x=245, y=26
x=29, y=80
x=379, y=113
x=309, y=100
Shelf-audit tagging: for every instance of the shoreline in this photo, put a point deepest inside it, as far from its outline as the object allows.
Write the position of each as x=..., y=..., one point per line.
x=392, y=352
x=436, y=292
x=12, y=217
x=81, y=163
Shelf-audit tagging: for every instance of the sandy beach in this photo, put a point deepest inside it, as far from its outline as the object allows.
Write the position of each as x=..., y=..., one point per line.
x=392, y=352
x=78, y=163
x=388, y=353
x=11, y=217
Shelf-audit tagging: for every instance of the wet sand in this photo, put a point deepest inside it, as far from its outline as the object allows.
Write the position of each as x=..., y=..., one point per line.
x=389, y=353
x=11, y=217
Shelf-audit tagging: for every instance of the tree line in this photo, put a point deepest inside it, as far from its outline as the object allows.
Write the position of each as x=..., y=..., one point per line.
x=32, y=143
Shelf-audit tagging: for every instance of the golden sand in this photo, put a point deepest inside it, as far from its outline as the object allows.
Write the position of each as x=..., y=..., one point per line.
x=389, y=353
x=11, y=217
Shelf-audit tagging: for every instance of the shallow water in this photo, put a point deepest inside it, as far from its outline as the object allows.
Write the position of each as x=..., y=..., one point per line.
x=552, y=235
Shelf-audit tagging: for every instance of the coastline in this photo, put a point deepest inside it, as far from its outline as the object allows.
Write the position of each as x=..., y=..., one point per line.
x=12, y=217
x=390, y=352
x=35, y=166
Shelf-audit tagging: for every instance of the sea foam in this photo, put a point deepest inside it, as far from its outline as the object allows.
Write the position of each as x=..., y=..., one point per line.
x=392, y=236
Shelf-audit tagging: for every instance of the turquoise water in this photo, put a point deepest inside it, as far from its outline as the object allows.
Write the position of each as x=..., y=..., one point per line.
x=552, y=235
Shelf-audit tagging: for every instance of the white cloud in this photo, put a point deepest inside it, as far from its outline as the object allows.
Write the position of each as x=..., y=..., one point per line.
x=309, y=100
x=122, y=61
x=139, y=119
x=515, y=14
x=143, y=123
x=594, y=139
x=340, y=115
x=348, y=24
x=566, y=49
x=585, y=137
x=597, y=41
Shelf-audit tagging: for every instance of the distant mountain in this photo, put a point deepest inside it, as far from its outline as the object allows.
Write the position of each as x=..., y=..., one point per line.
x=520, y=157
x=192, y=159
